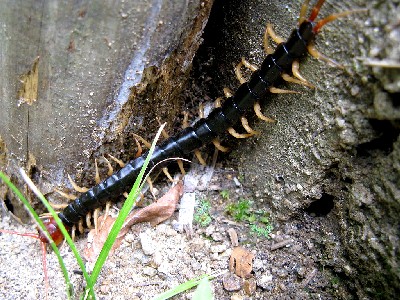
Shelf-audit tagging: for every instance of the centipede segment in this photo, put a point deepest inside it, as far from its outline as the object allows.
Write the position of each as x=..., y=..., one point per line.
x=90, y=215
x=283, y=60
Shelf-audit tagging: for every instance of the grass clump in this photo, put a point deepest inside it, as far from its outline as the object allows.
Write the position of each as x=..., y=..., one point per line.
x=202, y=214
x=259, y=221
x=240, y=211
x=224, y=194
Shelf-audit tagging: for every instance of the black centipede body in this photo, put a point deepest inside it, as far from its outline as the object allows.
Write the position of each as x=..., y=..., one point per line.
x=204, y=131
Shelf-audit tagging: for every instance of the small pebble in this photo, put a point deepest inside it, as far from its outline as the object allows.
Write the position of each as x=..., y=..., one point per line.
x=232, y=282
x=236, y=297
x=149, y=271
x=210, y=230
x=265, y=281
x=148, y=245
x=249, y=286
x=217, y=236
x=218, y=248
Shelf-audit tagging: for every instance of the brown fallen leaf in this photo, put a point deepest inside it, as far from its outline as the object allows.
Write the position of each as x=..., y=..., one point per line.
x=155, y=213
x=241, y=261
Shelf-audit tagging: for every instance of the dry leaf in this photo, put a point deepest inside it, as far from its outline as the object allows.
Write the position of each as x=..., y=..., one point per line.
x=96, y=240
x=241, y=261
x=155, y=213
x=158, y=211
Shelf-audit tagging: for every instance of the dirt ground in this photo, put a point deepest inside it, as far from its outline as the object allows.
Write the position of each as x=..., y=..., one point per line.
x=153, y=259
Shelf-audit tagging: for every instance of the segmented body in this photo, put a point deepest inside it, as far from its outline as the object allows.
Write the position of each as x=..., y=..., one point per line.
x=204, y=131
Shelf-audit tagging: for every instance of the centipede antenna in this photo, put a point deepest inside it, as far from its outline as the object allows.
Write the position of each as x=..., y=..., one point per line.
x=333, y=17
x=29, y=234
x=315, y=10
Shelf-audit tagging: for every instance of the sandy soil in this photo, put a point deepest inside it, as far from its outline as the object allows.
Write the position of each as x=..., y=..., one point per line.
x=151, y=260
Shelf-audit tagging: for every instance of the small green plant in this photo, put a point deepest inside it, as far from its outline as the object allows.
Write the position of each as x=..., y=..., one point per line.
x=261, y=230
x=335, y=280
x=241, y=177
x=202, y=213
x=259, y=220
x=240, y=211
x=224, y=194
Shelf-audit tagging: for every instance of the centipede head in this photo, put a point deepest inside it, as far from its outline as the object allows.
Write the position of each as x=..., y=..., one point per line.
x=53, y=229
x=315, y=11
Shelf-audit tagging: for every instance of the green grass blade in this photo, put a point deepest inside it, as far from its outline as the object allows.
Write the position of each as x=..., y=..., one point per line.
x=43, y=227
x=61, y=227
x=203, y=291
x=126, y=208
x=185, y=286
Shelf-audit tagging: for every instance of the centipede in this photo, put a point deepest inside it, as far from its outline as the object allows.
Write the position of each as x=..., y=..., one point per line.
x=259, y=88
